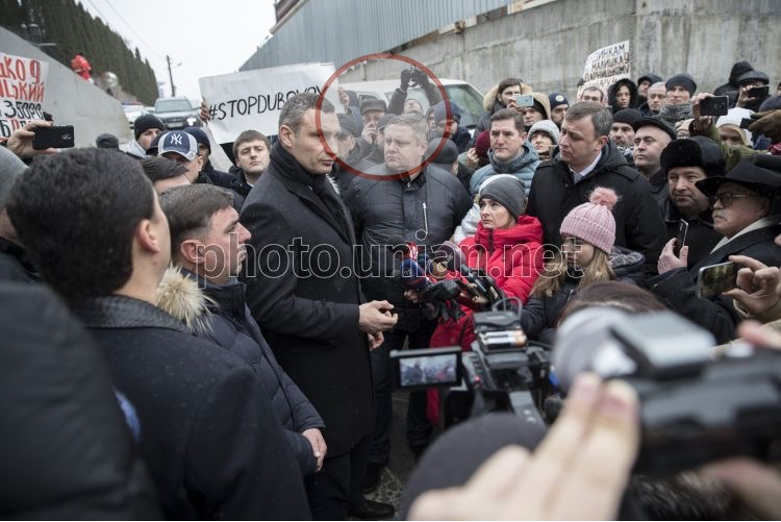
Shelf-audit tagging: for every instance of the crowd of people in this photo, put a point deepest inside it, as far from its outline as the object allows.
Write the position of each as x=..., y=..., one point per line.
x=192, y=343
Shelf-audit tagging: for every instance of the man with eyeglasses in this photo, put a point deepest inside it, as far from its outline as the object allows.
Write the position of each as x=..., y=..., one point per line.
x=745, y=205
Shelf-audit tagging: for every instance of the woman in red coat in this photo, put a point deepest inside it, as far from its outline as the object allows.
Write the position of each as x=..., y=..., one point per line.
x=507, y=246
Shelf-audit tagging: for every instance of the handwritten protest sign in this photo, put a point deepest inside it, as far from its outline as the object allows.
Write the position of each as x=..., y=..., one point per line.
x=254, y=99
x=606, y=66
x=22, y=89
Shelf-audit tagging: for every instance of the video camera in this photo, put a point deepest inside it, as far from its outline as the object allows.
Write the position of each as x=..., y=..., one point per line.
x=697, y=404
x=503, y=372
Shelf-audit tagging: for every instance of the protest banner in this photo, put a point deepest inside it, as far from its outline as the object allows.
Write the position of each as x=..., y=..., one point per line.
x=254, y=99
x=22, y=89
x=606, y=66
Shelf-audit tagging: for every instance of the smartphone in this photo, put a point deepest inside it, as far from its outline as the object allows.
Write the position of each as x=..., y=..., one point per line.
x=745, y=123
x=714, y=280
x=427, y=368
x=715, y=106
x=680, y=239
x=759, y=92
x=524, y=100
x=58, y=137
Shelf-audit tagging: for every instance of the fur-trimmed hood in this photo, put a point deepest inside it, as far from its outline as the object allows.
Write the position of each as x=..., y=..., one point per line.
x=490, y=96
x=182, y=297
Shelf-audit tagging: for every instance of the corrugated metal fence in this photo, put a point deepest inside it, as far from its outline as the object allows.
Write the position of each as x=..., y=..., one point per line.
x=339, y=30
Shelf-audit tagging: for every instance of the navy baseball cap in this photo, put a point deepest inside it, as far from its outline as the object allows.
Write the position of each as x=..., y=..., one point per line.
x=180, y=142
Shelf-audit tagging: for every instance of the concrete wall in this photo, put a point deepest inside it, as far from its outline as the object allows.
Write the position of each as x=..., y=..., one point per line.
x=72, y=100
x=547, y=45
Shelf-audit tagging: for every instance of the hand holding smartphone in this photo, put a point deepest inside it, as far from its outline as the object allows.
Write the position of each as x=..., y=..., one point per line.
x=714, y=280
x=54, y=137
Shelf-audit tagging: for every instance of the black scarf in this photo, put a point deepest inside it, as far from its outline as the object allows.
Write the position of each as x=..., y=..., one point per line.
x=288, y=167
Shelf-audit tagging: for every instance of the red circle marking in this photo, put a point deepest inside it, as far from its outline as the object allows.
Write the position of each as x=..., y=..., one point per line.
x=382, y=56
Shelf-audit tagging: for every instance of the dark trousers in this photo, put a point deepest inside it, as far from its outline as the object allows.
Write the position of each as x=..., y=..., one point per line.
x=418, y=426
x=339, y=485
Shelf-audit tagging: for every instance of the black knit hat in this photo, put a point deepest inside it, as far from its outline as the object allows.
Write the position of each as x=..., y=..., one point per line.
x=107, y=141
x=146, y=122
x=347, y=124
x=697, y=151
x=445, y=464
x=650, y=77
x=446, y=156
x=508, y=191
x=628, y=116
x=684, y=80
x=771, y=104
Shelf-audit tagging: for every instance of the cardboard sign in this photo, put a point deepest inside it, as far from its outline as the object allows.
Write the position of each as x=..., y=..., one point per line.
x=606, y=66
x=254, y=99
x=22, y=90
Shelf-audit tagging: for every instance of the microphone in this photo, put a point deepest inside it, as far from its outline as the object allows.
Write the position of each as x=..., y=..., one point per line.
x=584, y=343
x=396, y=244
x=413, y=276
x=452, y=257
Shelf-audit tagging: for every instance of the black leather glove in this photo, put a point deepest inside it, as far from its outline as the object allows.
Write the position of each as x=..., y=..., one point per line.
x=442, y=291
x=419, y=77
x=406, y=76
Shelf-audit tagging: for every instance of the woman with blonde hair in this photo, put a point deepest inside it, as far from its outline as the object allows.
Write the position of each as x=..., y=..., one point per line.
x=588, y=255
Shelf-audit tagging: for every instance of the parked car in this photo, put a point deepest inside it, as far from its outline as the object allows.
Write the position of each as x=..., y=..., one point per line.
x=133, y=111
x=177, y=113
x=468, y=98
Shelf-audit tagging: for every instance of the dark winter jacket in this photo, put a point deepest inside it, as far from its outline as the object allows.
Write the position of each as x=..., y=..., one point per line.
x=634, y=98
x=217, y=177
x=16, y=266
x=239, y=183
x=540, y=316
x=639, y=224
x=67, y=453
x=342, y=178
x=220, y=314
x=700, y=237
x=660, y=189
x=484, y=123
x=679, y=287
x=462, y=138
x=425, y=211
x=224, y=180
x=309, y=311
x=209, y=434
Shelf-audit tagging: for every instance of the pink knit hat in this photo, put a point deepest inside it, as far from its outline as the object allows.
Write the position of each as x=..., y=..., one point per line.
x=593, y=222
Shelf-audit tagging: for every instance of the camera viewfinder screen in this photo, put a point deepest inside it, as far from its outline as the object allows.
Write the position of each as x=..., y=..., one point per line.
x=430, y=370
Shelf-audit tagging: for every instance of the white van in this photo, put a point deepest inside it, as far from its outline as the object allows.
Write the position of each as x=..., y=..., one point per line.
x=468, y=98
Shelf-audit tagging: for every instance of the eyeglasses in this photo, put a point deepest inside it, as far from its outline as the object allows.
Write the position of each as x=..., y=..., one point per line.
x=726, y=198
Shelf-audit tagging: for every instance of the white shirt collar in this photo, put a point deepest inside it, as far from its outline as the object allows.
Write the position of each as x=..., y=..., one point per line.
x=756, y=225
x=585, y=172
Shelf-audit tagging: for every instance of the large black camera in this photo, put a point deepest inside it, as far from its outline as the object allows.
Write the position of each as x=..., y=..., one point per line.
x=503, y=372
x=698, y=403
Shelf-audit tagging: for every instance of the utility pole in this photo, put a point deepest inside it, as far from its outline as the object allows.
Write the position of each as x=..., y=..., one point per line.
x=171, y=76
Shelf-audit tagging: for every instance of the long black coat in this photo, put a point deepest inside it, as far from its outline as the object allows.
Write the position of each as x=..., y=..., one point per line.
x=208, y=433
x=639, y=224
x=309, y=315
x=679, y=287
x=67, y=452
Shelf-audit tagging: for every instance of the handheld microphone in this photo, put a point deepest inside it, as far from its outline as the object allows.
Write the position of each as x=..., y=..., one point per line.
x=413, y=276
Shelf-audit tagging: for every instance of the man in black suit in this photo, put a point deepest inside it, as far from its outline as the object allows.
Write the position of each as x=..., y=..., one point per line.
x=304, y=292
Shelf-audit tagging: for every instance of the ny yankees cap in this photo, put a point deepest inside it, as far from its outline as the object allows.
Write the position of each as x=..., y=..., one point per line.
x=180, y=142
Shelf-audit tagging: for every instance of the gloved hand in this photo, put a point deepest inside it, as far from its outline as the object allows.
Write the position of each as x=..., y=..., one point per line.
x=442, y=291
x=406, y=75
x=419, y=77
x=767, y=123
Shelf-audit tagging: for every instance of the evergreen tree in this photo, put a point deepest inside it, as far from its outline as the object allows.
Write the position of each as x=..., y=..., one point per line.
x=72, y=29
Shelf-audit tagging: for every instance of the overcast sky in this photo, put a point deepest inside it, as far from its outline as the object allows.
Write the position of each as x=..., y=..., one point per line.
x=205, y=36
